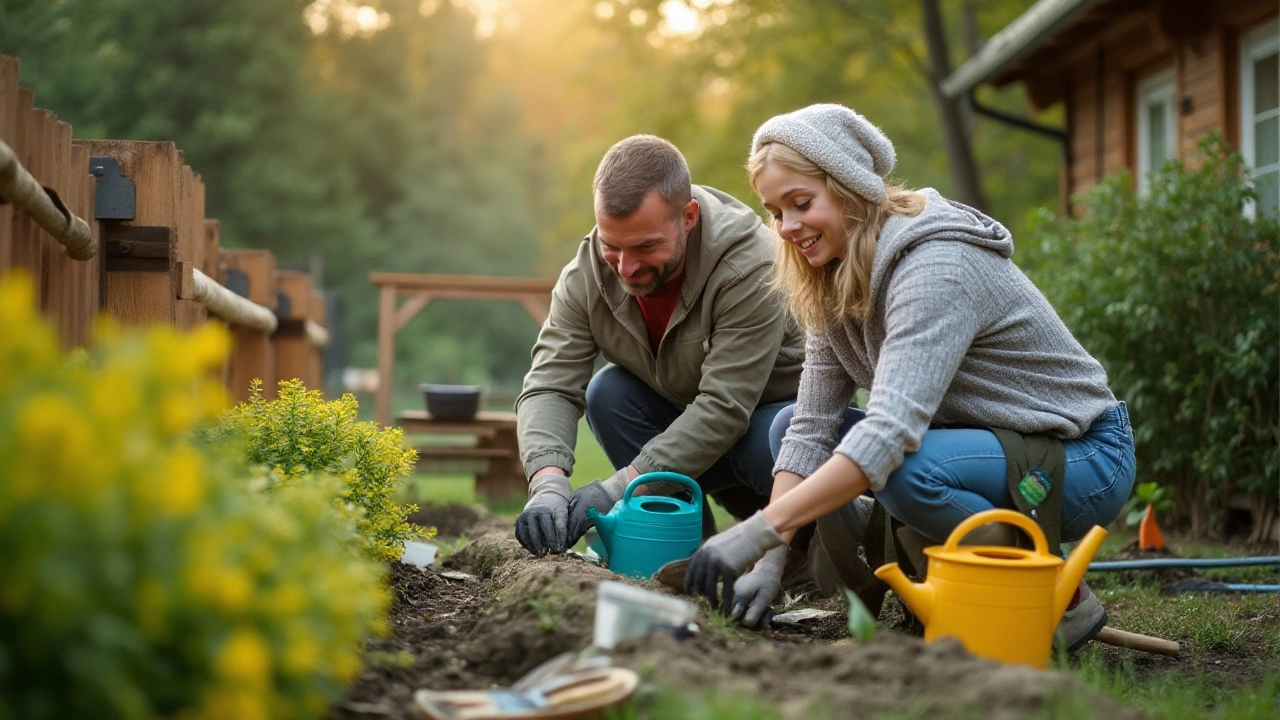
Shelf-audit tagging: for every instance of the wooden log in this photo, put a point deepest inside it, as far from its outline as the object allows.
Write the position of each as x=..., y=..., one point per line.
x=225, y=304
x=317, y=336
x=1136, y=641
x=18, y=187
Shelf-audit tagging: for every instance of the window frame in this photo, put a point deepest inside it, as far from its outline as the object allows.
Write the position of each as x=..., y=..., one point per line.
x=1162, y=87
x=1257, y=42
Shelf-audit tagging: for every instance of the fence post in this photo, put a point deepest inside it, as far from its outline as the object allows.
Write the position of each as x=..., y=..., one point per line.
x=292, y=349
x=252, y=351
x=141, y=285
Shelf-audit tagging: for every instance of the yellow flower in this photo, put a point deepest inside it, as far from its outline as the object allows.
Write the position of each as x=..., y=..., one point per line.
x=232, y=703
x=209, y=346
x=113, y=396
x=181, y=481
x=56, y=448
x=346, y=665
x=176, y=413
x=244, y=659
x=300, y=653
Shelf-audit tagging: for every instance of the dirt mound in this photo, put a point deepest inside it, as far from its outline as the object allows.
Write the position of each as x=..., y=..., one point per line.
x=512, y=612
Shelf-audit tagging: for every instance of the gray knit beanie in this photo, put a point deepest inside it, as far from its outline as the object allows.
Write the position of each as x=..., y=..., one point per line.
x=838, y=140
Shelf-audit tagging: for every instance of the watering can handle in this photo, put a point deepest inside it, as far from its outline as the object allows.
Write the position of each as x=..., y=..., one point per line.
x=976, y=520
x=664, y=476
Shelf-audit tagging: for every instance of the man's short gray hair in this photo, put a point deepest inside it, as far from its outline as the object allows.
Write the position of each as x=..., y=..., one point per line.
x=632, y=168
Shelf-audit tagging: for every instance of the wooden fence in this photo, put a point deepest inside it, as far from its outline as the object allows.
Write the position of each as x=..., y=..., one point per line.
x=119, y=226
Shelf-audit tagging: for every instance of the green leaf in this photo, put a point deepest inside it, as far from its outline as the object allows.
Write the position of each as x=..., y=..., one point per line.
x=861, y=625
x=1135, y=517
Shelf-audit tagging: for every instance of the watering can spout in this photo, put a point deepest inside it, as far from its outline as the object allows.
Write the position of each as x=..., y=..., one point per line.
x=1070, y=575
x=605, y=525
x=917, y=596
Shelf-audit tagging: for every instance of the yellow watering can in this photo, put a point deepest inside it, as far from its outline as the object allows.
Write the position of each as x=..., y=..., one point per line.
x=1002, y=603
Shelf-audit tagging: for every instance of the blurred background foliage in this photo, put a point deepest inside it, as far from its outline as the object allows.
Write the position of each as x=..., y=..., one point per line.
x=460, y=136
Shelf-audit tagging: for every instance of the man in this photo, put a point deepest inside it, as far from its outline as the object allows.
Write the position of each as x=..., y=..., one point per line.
x=671, y=287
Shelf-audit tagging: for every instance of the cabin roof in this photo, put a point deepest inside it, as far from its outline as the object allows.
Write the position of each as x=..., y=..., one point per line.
x=1019, y=39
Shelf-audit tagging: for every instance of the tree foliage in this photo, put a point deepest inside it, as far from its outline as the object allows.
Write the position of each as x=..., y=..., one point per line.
x=440, y=138
x=1176, y=292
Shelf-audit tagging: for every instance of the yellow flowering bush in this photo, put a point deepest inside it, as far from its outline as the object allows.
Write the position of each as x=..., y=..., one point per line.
x=300, y=436
x=141, y=577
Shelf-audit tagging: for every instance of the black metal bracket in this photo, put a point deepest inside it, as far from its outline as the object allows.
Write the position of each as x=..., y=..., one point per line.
x=237, y=282
x=116, y=197
x=284, y=306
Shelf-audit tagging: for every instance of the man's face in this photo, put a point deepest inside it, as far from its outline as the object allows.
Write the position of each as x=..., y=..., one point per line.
x=646, y=249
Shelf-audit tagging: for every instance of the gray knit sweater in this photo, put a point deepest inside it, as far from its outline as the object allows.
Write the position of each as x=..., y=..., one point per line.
x=956, y=334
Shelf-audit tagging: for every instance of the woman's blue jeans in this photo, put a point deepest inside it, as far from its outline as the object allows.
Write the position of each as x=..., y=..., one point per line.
x=959, y=472
x=624, y=414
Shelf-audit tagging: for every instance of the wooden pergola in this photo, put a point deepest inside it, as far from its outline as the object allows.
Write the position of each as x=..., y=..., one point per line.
x=533, y=294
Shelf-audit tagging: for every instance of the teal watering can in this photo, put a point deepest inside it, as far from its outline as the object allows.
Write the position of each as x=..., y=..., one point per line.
x=641, y=534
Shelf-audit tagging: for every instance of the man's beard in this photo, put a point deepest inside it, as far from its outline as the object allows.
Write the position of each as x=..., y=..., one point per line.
x=667, y=272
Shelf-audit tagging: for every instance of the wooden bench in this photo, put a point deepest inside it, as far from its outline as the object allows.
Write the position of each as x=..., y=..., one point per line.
x=489, y=439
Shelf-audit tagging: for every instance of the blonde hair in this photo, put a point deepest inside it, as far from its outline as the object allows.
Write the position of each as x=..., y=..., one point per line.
x=840, y=290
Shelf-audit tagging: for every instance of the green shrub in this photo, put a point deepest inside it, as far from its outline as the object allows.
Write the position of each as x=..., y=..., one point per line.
x=300, y=436
x=141, y=577
x=1176, y=293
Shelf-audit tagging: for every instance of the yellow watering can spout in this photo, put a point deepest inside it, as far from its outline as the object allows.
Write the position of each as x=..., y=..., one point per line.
x=917, y=596
x=1070, y=575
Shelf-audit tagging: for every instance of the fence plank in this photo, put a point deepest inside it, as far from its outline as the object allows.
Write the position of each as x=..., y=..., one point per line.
x=8, y=134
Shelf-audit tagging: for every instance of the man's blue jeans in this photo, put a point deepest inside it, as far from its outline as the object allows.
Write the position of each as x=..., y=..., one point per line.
x=624, y=414
x=959, y=472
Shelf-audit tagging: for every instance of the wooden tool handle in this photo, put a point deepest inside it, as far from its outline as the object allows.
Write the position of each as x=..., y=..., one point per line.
x=1135, y=641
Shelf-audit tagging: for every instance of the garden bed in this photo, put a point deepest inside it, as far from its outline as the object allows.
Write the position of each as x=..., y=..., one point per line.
x=510, y=612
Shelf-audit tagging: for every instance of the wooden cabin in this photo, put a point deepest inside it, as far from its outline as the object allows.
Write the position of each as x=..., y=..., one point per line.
x=1142, y=80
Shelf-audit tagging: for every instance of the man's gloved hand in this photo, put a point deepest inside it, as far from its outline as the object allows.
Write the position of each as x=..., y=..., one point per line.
x=542, y=527
x=598, y=494
x=754, y=592
x=727, y=555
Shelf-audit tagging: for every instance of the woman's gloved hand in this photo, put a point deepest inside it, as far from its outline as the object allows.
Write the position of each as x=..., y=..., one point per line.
x=598, y=494
x=754, y=592
x=728, y=555
x=541, y=527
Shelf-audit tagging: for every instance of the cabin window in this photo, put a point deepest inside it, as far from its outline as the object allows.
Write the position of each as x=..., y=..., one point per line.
x=1260, y=113
x=1156, y=125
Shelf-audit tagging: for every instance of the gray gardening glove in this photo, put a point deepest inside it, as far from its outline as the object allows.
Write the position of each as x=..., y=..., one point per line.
x=598, y=494
x=542, y=527
x=755, y=591
x=727, y=555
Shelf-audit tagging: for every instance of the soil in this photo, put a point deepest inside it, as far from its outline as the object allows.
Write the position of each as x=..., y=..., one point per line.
x=510, y=612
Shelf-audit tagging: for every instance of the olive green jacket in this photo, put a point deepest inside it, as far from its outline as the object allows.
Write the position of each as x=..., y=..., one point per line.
x=728, y=347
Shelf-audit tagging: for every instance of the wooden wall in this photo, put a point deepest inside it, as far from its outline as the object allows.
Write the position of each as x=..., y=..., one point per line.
x=1097, y=67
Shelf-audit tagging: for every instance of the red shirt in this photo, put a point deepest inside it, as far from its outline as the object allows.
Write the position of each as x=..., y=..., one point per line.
x=656, y=307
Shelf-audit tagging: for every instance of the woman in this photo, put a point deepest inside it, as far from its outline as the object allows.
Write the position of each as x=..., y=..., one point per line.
x=913, y=298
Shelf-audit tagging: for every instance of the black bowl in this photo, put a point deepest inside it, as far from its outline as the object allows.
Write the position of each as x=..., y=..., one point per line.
x=452, y=402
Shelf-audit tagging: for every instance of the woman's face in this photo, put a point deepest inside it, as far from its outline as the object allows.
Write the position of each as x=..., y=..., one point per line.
x=805, y=212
